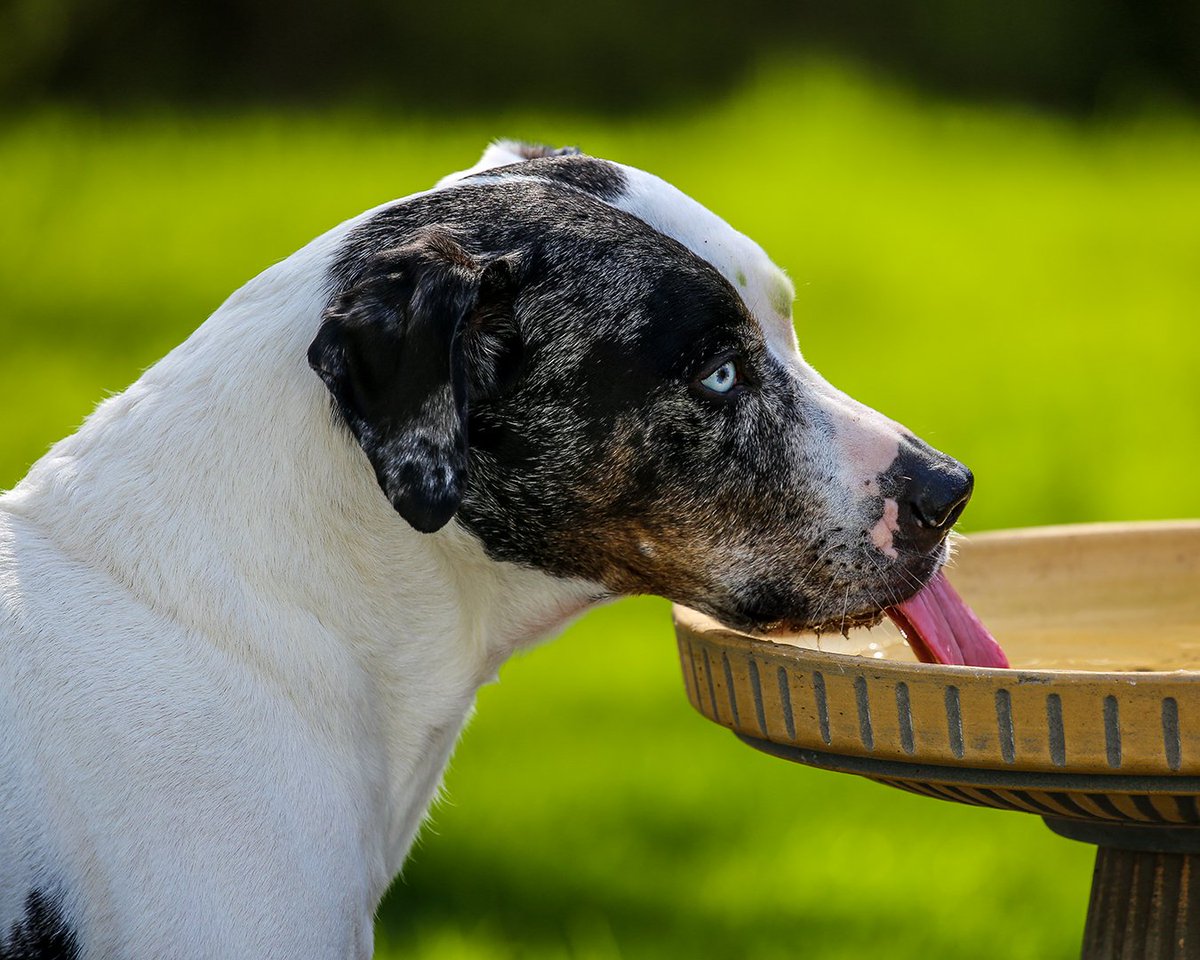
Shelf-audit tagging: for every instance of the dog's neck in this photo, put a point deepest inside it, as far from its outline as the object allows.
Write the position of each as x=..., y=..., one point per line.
x=219, y=492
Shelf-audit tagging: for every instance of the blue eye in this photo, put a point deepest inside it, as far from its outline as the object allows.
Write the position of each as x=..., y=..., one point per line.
x=723, y=379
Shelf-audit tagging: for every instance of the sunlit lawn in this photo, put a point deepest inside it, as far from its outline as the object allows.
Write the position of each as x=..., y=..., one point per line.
x=1021, y=291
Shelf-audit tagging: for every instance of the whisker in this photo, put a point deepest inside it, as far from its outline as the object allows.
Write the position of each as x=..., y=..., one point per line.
x=883, y=582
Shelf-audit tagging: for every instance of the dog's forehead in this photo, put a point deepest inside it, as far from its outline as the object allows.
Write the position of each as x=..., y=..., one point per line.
x=764, y=287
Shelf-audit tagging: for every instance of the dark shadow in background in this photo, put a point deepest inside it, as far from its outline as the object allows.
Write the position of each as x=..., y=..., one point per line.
x=1078, y=56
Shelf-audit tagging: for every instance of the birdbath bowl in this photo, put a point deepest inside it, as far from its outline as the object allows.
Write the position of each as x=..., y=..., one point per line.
x=1096, y=728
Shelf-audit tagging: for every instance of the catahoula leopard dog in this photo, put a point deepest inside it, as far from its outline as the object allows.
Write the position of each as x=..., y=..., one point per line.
x=246, y=608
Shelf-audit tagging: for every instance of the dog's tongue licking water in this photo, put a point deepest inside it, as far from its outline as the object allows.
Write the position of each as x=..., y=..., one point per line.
x=941, y=628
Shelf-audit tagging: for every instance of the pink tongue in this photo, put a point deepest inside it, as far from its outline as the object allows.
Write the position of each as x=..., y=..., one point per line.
x=940, y=628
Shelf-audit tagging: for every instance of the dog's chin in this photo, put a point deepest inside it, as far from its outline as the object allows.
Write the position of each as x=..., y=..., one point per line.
x=867, y=607
x=787, y=612
x=790, y=626
x=840, y=624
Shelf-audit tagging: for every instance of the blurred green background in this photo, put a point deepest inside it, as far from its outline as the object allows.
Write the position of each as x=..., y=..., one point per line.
x=1007, y=262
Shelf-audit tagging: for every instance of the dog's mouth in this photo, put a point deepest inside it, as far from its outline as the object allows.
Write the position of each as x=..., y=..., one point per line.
x=941, y=628
x=938, y=624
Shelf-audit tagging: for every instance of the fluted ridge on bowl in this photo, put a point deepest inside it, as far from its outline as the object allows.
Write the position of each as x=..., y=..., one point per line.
x=957, y=717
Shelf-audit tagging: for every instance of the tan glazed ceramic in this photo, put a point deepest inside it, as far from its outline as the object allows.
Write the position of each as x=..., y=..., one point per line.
x=1096, y=727
x=1123, y=599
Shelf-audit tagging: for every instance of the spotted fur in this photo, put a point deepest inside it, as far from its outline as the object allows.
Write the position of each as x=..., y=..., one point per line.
x=602, y=460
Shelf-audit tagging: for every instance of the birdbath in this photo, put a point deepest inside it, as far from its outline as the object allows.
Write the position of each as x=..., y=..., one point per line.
x=1096, y=728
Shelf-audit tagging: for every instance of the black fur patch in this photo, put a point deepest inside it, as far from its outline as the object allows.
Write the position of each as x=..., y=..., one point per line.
x=41, y=934
x=589, y=450
x=607, y=313
x=390, y=350
x=600, y=178
x=553, y=229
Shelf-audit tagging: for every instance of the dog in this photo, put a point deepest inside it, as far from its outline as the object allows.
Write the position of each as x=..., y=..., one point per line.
x=246, y=608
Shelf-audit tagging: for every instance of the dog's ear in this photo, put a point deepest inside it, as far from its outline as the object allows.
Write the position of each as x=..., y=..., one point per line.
x=403, y=351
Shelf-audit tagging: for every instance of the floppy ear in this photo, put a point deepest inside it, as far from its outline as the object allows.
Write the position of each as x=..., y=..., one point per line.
x=393, y=351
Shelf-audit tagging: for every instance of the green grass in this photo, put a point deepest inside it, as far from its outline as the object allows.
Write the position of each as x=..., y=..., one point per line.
x=1021, y=291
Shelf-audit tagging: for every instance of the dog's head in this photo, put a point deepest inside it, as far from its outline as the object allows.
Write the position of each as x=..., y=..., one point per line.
x=599, y=378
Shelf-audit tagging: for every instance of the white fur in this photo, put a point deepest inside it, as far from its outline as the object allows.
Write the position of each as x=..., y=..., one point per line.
x=230, y=676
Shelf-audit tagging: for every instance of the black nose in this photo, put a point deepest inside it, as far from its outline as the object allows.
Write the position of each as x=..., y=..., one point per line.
x=938, y=498
x=933, y=490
